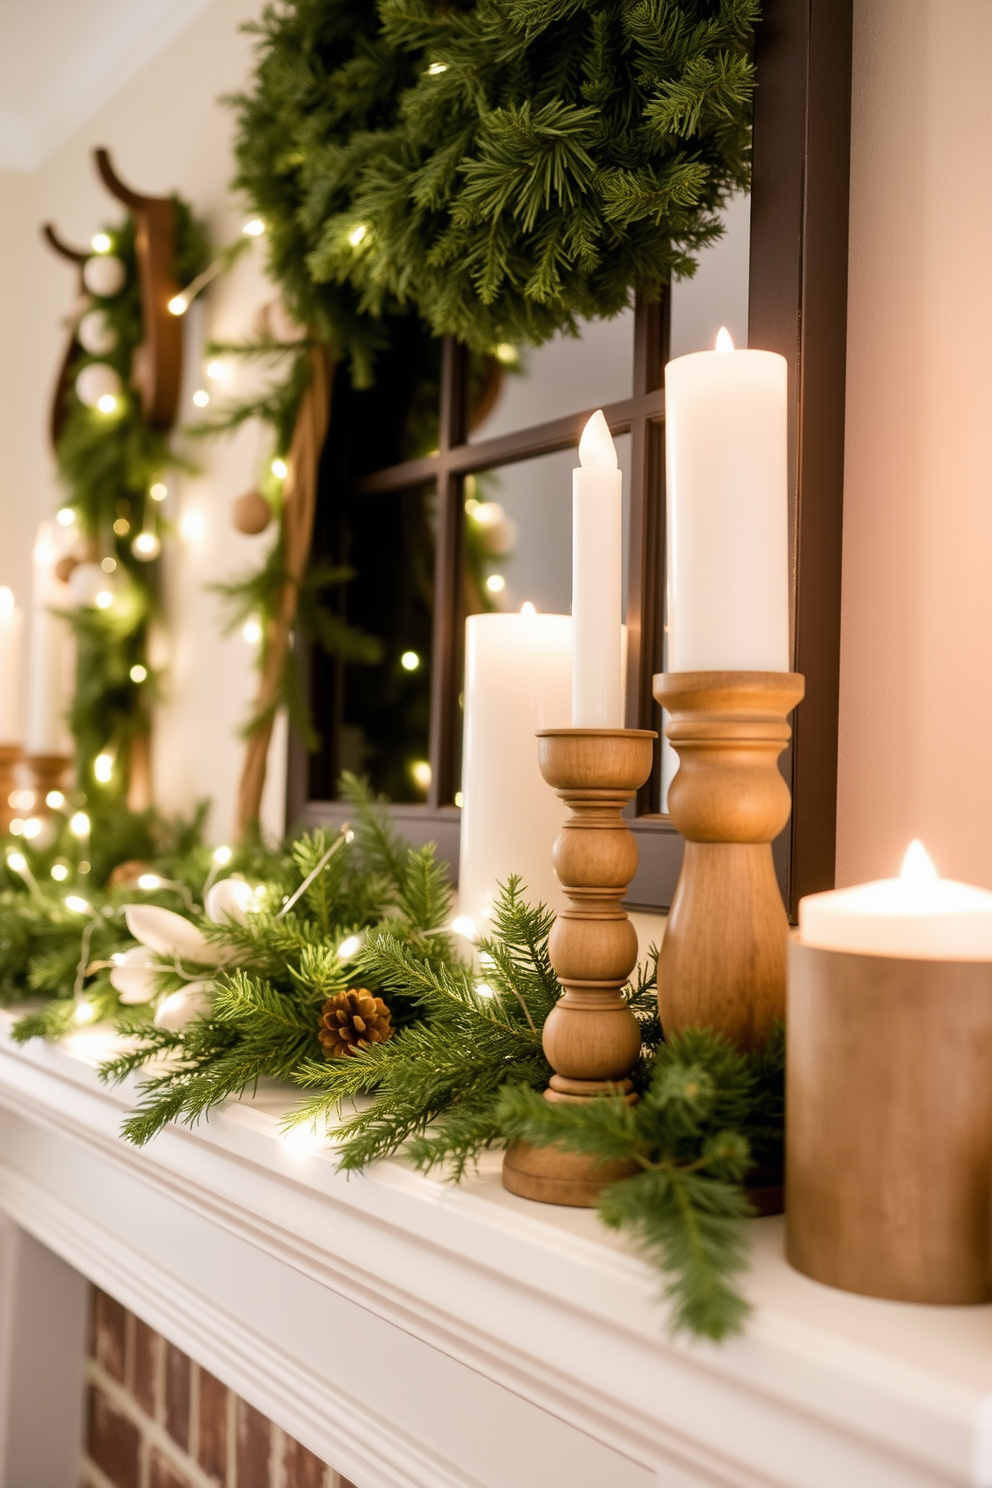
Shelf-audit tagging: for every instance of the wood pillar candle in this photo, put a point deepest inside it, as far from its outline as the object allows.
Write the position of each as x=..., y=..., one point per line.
x=889, y=1122
x=722, y=962
x=591, y=1038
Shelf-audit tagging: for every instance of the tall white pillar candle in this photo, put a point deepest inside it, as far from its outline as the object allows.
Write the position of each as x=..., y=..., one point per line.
x=517, y=680
x=727, y=497
x=11, y=639
x=597, y=569
x=51, y=655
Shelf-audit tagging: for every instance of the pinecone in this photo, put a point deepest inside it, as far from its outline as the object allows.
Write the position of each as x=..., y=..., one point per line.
x=352, y=1020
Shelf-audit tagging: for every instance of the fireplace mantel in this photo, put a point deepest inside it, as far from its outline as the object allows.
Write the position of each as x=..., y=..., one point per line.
x=425, y=1336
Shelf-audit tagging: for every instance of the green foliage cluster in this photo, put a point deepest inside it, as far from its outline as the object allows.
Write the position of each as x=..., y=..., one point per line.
x=107, y=463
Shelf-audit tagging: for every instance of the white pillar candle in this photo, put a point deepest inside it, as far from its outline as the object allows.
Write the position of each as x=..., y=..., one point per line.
x=597, y=572
x=51, y=655
x=727, y=499
x=917, y=915
x=517, y=680
x=11, y=637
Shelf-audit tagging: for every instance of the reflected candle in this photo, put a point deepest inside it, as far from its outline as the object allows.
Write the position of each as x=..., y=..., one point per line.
x=51, y=654
x=727, y=496
x=11, y=633
x=517, y=680
x=597, y=569
x=917, y=915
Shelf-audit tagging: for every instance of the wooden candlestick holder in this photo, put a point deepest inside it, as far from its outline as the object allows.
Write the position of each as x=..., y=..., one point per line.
x=722, y=962
x=591, y=1038
x=47, y=774
x=10, y=757
x=889, y=1125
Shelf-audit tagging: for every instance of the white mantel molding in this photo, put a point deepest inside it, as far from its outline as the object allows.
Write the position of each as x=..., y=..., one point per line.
x=471, y=1339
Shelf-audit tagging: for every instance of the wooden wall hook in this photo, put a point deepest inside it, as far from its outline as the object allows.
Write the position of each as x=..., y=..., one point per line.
x=73, y=350
x=591, y=1037
x=157, y=370
x=722, y=962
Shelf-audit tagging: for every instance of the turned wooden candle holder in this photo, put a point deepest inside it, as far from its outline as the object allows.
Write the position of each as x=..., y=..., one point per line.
x=48, y=773
x=10, y=757
x=722, y=962
x=889, y=1124
x=591, y=1038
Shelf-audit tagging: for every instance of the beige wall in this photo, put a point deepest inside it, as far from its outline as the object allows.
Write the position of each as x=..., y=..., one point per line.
x=916, y=683
x=167, y=131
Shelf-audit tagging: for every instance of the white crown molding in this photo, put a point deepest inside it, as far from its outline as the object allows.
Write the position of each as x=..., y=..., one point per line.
x=60, y=75
x=483, y=1342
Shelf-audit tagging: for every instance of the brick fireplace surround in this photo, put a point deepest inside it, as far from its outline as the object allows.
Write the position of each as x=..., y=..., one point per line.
x=155, y=1419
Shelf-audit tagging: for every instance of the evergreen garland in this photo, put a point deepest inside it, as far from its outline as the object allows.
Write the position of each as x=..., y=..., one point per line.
x=107, y=463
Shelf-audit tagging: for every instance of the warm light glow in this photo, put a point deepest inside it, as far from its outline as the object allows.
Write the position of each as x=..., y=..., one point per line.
x=32, y=828
x=436, y=69
x=252, y=632
x=279, y=468
x=107, y=403
x=79, y=824
x=77, y=905
x=192, y=525
x=65, y=516
x=421, y=772
x=59, y=872
x=104, y=600
x=459, y=798
x=103, y=768
x=22, y=800
x=527, y=608
x=409, y=661
x=6, y=600
x=146, y=546
x=485, y=513
x=358, y=235
x=17, y=861
x=150, y=881
x=16, y=826
x=109, y=565
x=158, y=491
x=596, y=448
x=138, y=673
x=254, y=228
x=55, y=799
x=223, y=855
x=724, y=340
x=495, y=583
x=464, y=925
x=217, y=371
x=122, y=526
x=85, y=1011
x=178, y=305
x=201, y=397
x=483, y=989
x=507, y=354
x=100, y=243
x=916, y=865
x=348, y=947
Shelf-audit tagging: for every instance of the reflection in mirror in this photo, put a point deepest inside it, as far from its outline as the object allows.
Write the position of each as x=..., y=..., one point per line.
x=372, y=703
x=536, y=384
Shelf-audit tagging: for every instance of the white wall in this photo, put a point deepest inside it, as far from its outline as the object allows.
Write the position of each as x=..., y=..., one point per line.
x=167, y=132
x=916, y=669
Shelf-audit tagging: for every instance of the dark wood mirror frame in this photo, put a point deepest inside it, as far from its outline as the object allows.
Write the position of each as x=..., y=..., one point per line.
x=797, y=306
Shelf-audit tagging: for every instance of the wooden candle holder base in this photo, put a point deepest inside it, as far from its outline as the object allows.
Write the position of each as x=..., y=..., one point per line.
x=48, y=773
x=10, y=757
x=722, y=962
x=889, y=1125
x=591, y=1037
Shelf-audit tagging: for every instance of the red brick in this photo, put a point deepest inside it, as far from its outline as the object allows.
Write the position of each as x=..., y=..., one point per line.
x=107, y=1333
x=301, y=1469
x=177, y=1395
x=147, y=1354
x=212, y=1434
x=112, y=1441
x=254, y=1443
x=164, y=1475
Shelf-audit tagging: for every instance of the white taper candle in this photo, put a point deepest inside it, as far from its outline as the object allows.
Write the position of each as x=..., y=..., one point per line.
x=597, y=576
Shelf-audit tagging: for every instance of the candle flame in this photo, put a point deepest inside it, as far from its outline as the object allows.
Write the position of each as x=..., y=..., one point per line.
x=916, y=865
x=724, y=340
x=527, y=608
x=596, y=448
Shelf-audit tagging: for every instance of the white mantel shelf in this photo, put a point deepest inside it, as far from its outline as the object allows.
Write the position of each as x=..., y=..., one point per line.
x=419, y=1335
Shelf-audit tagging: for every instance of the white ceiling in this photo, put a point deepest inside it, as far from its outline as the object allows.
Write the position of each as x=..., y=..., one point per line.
x=60, y=59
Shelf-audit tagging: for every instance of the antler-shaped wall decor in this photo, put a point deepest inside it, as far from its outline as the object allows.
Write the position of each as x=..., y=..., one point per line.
x=158, y=361
x=157, y=365
x=78, y=256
